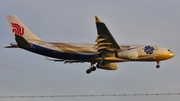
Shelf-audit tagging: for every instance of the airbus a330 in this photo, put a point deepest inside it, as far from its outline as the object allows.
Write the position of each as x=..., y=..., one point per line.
x=105, y=54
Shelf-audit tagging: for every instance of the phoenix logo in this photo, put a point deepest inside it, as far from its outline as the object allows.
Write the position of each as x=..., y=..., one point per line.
x=149, y=49
x=18, y=30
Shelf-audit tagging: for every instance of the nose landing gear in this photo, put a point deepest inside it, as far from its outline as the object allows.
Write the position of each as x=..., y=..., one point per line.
x=91, y=68
x=158, y=66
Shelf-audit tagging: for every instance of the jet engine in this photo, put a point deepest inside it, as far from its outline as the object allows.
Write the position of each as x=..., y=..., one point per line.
x=127, y=54
x=108, y=66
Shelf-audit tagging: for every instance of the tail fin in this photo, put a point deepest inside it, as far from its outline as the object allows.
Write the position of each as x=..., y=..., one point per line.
x=18, y=28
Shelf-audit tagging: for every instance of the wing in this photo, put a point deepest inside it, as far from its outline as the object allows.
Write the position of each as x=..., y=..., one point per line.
x=109, y=59
x=65, y=61
x=106, y=44
x=105, y=41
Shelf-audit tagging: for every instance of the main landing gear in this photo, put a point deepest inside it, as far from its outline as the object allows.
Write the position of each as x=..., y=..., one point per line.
x=91, y=68
x=158, y=66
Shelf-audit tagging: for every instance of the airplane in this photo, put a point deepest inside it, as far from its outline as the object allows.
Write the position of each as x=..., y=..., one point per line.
x=105, y=54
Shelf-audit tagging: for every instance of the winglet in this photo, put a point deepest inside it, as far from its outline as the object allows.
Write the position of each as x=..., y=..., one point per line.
x=97, y=19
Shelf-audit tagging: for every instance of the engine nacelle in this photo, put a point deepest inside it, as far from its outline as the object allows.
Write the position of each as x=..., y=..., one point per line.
x=108, y=66
x=127, y=54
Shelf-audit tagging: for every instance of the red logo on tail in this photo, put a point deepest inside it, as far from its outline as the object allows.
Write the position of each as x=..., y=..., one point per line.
x=18, y=30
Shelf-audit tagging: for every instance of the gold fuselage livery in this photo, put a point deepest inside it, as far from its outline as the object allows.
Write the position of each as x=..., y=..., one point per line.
x=105, y=54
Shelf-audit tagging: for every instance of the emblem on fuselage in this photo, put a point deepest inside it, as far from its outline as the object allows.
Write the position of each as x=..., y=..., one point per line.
x=148, y=49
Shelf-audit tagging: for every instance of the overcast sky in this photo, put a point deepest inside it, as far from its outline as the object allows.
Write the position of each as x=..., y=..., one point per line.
x=146, y=22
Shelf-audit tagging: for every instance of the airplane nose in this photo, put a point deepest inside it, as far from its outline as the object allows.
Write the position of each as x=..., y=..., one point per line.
x=171, y=54
x=165, y=56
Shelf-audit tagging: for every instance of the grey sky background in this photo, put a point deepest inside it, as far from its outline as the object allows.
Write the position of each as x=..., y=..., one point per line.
x=152, y=22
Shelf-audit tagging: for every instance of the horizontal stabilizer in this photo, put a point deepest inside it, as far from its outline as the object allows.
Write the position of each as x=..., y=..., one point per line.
x=11, y=47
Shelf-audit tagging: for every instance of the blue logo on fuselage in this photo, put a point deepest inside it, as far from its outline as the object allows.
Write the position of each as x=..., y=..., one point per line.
x=148, y=49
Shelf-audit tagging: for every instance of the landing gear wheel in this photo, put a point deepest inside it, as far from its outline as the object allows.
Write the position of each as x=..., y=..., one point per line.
x=157, y=66
x=93, y=68
x=88, y=71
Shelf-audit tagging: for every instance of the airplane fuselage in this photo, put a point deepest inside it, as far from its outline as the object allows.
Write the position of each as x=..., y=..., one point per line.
x=74, y=51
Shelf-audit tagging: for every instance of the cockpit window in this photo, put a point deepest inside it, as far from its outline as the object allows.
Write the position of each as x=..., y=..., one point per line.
x=169, y=50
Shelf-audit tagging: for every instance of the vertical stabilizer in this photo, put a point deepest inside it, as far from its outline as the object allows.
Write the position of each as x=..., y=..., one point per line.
x=18, y=28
